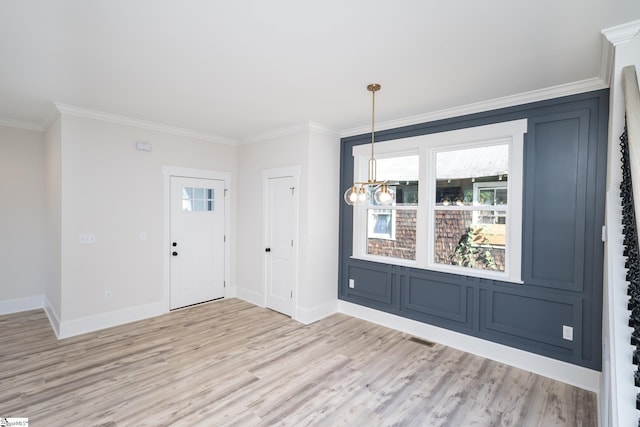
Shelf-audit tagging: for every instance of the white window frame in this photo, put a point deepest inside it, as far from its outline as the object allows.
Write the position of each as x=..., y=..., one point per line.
x=426, y=146
x=361, y=156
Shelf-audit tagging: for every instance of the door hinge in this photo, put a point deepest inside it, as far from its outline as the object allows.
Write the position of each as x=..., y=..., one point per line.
x=291, y=294
x=225, y=237
x=604, y=233
x=224, y=284
x=292, y=190
x=225, y=192
x=292, y=243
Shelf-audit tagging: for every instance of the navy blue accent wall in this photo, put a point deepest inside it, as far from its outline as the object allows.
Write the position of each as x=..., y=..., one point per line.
x=562, y=251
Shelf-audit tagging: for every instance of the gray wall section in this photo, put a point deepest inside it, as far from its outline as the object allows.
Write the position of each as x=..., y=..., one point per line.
x=562, y=251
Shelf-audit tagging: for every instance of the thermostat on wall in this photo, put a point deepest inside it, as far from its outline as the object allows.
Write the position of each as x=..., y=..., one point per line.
x=143, y=146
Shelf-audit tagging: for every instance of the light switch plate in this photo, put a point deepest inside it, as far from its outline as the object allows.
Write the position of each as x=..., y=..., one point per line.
x=87, y=239
x=567, y=332
x=352, y=283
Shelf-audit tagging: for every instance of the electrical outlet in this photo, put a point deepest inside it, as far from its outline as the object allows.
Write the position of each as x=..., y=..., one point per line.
x=352, y=283
x=567, y=332
x=87, y=239
x=108, y=295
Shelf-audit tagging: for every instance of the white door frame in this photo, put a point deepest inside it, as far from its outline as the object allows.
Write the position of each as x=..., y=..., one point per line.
x=168, y=172
x=293, y=172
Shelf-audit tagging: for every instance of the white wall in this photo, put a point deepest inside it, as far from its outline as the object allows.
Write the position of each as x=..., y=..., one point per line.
x=22, y=219
x=320, y=269
x=116, y=192
x=282, y=151
x=316, y=151
x=90, y=179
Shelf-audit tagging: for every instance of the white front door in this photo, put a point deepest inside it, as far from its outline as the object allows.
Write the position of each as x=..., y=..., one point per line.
x=197, y=241
x=280, y=221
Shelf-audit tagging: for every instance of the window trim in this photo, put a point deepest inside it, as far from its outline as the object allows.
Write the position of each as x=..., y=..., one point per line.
x=426, y=146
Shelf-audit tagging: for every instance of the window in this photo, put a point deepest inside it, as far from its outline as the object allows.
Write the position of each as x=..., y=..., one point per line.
x=470, y=207
x=391, y=230
x=458, y=204
x=197, y=199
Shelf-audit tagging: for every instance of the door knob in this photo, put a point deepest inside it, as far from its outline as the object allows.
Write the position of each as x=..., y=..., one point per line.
x=268, y=250
x=174, y=253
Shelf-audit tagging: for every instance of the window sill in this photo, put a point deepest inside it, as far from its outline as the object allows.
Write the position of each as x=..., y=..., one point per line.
x=387, y=260
x=459, y=271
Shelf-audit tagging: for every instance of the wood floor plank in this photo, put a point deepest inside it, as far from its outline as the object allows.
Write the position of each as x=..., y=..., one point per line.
x=231, y=363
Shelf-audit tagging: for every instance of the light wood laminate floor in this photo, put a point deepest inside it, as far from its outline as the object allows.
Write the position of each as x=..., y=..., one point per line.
x=231, y=363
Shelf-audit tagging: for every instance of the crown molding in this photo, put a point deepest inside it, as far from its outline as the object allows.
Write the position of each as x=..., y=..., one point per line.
x=51, y=117
x=607, y=56
x=478, y=107
x=622, y=33
x=143, y=124
x=20, y=124
x=289, y=130
x=317, y=127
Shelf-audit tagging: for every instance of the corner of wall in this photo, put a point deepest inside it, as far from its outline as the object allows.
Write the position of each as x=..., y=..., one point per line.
x=54, y=318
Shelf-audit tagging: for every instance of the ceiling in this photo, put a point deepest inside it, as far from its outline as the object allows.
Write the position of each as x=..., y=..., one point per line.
x=237, y=69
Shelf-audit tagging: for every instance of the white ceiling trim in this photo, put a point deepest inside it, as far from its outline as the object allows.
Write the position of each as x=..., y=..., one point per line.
x=143, y=124
x=507, y=101
x=622, y=33
x=19, y=124
x=289, y=130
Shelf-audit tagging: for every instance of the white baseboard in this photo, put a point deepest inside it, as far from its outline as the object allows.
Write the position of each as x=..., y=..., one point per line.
x=568, y=373
x=230, y=292
x=254, y=298
x=16, y=305
x=310, y=315
x=70, y=328
x=54, y=318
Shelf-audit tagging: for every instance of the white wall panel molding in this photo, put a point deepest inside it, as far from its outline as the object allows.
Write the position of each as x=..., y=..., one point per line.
x=143, y=124
x=574, y=88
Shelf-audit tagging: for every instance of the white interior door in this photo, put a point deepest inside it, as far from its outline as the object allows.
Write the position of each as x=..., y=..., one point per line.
x=197, y=241
x=281, y=219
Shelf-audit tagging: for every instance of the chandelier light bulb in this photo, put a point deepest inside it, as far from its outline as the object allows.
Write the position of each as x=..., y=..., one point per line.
x=351, y=196
x=384, y=195
x=356, y=195
x=363, y=196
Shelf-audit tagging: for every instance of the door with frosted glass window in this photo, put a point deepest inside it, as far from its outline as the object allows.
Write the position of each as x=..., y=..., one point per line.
x=197, y=241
